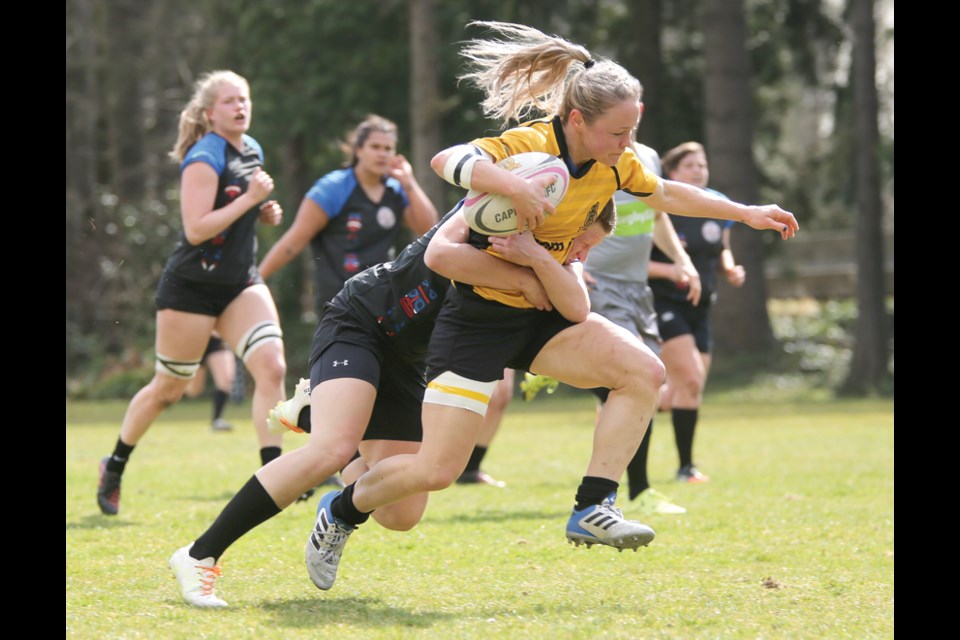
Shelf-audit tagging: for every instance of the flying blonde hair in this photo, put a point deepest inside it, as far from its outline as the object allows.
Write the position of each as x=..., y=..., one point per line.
x=530, y=74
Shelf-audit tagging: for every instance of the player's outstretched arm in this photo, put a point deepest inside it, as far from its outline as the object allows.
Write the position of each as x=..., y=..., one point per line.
x=688, y=200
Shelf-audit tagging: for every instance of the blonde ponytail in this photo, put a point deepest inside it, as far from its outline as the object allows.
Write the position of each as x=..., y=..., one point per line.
x=530, y=74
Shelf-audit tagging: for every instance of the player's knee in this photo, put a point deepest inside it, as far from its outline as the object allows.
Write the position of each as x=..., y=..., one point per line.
x=328, y=455
x=269, y=372
x=691, y=385
x=167, y=391
x=440, y=477
x=256, y=338
x=640, y=370
x=654, y=371
x=397, y=519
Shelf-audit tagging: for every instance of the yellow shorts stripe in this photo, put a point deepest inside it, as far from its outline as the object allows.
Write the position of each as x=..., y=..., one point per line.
x=451, y=390
x=457, y=391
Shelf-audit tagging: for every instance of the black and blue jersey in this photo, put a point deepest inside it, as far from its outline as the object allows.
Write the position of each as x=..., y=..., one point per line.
x=703, y=240
x=360, y=232
x=399, y=299
x=230, y=256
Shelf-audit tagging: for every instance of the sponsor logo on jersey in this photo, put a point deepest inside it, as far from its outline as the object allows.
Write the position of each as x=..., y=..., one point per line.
x=555, y=247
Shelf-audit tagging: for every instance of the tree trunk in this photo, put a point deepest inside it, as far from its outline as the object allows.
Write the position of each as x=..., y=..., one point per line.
x=741, y=322
x=425, y=104
x=868, y=367
x=641, y=54
x=125, y=20
x=81, y=117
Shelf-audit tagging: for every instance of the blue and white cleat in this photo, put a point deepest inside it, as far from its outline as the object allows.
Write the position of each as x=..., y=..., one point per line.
x=604, y=524
x=325, y=544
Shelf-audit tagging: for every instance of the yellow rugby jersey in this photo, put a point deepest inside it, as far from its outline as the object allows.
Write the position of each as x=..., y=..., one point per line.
x=591, y=186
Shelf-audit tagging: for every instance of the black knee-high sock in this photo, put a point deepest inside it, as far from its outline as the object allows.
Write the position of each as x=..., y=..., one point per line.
x=473, y=464
x=593, y=490
x=637, y=467
x=343, y=508
x=684, y=424
x=251, y=506
x=118, y=459
x=219, y=401
x=269, y=453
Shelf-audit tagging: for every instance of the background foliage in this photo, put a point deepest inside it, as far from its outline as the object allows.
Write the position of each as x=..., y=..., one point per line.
x=316, y=67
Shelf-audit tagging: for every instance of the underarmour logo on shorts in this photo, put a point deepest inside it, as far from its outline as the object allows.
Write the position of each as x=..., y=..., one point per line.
x=337, y=363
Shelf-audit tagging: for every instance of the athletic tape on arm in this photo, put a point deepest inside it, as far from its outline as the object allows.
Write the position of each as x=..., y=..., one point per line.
x=458, y=169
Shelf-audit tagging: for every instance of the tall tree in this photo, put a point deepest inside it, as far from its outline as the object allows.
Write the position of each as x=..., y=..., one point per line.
x=868, y=368
x=426, y=106
x=741, y=320
x=640, y=52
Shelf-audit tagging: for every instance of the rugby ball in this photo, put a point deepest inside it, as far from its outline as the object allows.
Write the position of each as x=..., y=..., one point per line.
x=492, y=214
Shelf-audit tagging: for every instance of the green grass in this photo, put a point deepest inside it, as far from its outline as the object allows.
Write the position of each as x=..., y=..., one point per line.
x=793, y=538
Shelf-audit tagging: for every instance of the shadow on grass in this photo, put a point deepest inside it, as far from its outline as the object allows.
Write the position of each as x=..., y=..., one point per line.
x=221, y=497
x=99, y=521
x=367, y=612
x=504, y=516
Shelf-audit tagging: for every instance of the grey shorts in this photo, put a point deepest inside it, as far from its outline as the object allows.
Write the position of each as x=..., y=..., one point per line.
x=628, y=305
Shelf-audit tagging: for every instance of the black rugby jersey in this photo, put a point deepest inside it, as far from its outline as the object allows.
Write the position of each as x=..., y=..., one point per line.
x=400, y=299
x=230, y=257
x=360, y=233
x=703, y=240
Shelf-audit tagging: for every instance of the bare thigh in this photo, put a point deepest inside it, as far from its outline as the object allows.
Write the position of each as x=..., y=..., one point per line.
x=596, y=353
x=253, y=306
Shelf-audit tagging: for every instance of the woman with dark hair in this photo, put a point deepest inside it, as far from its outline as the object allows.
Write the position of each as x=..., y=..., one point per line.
x=351, y=217
x=684, y=323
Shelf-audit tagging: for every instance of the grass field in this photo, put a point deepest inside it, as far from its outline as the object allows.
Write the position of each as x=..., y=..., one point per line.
x=793, y=537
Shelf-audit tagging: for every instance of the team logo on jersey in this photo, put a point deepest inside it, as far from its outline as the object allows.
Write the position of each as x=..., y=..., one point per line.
x=210, y=261
x=591, y=217
x=386, y=218
x=415, y=301
x=210, y=257
x=351, y=262
x=711, y=231
x=411, y=304
x=354, y=223
x=231, y=191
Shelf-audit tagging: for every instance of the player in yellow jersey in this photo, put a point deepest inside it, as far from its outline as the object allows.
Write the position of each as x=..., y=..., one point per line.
x=592, y=107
